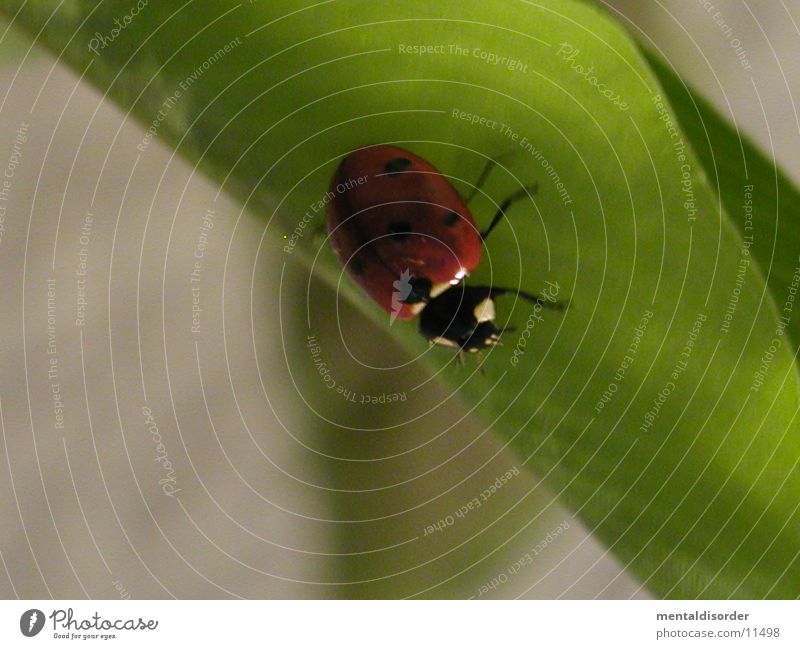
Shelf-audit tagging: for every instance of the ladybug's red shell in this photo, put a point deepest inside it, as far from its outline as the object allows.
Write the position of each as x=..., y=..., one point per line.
x=394, y=215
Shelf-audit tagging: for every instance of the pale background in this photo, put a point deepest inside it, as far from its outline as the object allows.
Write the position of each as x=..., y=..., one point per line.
x=267, y=507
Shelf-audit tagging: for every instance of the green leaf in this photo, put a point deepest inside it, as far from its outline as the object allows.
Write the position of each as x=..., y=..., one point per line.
x=732, y=164
x=688, y=469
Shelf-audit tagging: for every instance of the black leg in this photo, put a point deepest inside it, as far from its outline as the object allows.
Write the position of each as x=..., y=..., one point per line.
x=530, y=297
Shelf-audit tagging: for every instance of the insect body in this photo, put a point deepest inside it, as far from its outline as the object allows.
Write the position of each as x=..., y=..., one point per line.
x=408, y=239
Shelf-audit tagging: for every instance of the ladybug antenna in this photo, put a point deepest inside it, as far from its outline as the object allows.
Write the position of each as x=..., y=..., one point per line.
x=506, y=204
x=487, y=169
x=547, y=302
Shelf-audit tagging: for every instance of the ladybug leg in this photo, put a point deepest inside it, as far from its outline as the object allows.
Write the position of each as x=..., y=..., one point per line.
x=506, y=204
x=479, y=359
x=530, y=297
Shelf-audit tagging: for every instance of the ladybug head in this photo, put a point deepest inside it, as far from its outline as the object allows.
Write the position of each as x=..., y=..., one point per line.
x=461, y=317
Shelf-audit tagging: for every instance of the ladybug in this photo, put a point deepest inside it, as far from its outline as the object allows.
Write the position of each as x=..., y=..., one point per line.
x=407, y=237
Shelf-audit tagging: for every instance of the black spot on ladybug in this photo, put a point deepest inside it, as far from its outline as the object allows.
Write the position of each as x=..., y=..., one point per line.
x=357, y=267
x=396, y=166
x=400, y=230
x=451, y=218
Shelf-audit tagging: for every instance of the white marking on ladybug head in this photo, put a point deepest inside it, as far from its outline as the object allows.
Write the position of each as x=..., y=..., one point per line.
x=438, y=289
x=461, y=274
x=494, y=339
x=484, y=311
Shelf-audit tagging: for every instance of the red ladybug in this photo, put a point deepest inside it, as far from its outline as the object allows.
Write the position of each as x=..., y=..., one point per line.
x=408, y=239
